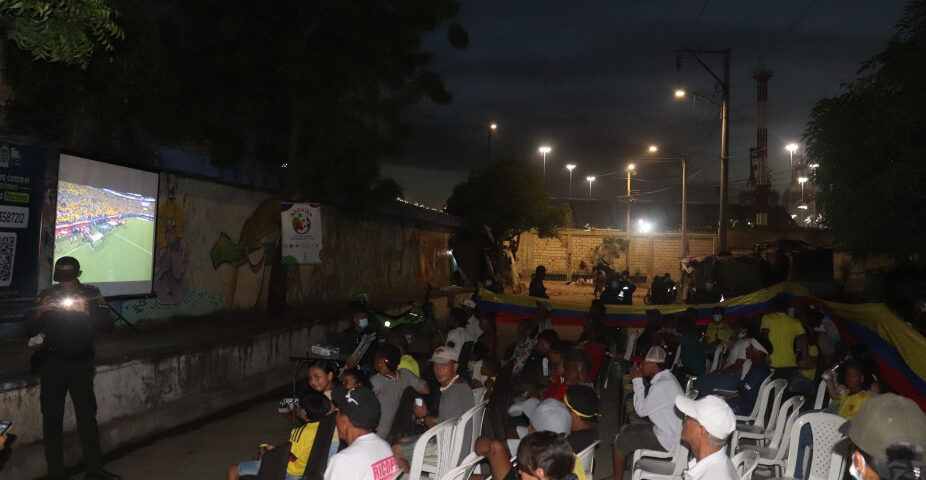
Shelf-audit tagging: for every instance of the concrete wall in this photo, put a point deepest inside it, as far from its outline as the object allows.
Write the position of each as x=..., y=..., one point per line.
x=650, y=254
x=216, y=246
x=142, y=397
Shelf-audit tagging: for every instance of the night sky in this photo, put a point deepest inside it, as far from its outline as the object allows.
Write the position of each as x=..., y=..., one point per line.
x=595, y=81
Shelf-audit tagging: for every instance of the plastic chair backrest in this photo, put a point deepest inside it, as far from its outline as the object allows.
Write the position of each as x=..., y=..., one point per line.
x=465, y=469
x=692, y=394
x=745, y=369
x=273, y=463
x=478, y=395
x=465, y=432
x=587, y=457
x=718, y=352
x=745, y=463
x=631, y=344
x=442, y=433
x=762, y=398
x=678, y=357
x=681, y=460
x=821, y=397
x=781, y=435
x=776, y=392
x=825, y=430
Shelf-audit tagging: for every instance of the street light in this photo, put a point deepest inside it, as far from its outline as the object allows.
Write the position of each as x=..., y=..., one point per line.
x=630, y=168
x=653, y=149
x=492, y=128
x=544, y=150
x=570, y=167
x=680, y=93
x=684, y=162
x=802, y=181
x=590, y=180
x=791, y=148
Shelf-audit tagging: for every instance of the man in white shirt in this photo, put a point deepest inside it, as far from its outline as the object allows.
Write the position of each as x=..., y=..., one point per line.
x=458, y=334
x=658, y=405
x=708, y=423
x=368, y=457
x=472, y=323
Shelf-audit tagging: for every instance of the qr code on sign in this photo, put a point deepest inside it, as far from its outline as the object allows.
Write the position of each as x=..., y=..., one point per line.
x=7, y=253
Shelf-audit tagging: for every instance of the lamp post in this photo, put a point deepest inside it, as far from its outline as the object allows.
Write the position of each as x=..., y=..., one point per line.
x=630, y=169
x=802, y=181
x=791, y=148
x=684, y=162
x=544, y=150
x=724, y=84
x=590, y=179
x=492, y=128
x=570, y=167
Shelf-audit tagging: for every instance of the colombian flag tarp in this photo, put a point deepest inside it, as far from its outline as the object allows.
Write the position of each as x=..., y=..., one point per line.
x=898, y=350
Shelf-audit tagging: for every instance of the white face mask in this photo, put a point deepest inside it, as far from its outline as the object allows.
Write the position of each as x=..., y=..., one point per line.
x=741, y=335
x=363, y=323
x=718, y=318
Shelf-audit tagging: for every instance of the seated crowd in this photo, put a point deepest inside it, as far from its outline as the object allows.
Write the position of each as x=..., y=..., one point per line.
x=544, y=394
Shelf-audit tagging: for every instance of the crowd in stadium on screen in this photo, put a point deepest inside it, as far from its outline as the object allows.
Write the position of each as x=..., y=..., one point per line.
x=79, y=202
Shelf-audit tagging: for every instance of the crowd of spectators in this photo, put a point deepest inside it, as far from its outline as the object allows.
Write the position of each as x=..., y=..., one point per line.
x=79, y=203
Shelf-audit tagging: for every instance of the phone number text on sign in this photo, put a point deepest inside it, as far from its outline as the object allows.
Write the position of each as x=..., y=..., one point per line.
x=13, y=217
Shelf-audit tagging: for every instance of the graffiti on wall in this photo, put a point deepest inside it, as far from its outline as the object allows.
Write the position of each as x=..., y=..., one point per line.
x=373, y=256
x=244, y=265
x=170, y=282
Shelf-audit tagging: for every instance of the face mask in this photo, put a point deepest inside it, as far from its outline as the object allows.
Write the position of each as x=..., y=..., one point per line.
x=718, y=318
x=741, y=335
x=363, y=323
x=708, y=285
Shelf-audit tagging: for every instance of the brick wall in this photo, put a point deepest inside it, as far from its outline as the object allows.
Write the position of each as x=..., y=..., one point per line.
x=649, y=254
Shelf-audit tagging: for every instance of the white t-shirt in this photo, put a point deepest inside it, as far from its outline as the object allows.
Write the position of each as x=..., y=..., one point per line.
x=458, y=336
x=716, y=466
x=472, y=326
x=737, y=352
x=368, y=458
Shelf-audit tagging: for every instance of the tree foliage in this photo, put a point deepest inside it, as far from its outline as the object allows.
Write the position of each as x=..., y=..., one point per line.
x=320, y=86
x=508, y=198
x=871, y=149
x=60, y=31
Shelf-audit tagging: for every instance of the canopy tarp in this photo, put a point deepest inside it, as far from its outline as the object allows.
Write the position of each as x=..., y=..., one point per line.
x=897, y=349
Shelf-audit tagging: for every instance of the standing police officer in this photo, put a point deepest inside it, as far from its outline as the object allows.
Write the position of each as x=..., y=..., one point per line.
x=69, y=314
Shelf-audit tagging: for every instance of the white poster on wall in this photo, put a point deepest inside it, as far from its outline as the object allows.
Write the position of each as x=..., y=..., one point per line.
x=301, y=233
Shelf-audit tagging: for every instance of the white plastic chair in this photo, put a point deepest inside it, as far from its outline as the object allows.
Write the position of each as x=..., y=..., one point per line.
x=762, y=399
x=825, y=430
x=442, y=435
x=758, y=428
x=678, y=358
x=465, y=469
x=822, y=399
x=646, y=464
x=718, y=354
x=631, y=344
x=587, y=457
x=745, y=463
x=772, y=457
x=478, y=395
x=470, y=423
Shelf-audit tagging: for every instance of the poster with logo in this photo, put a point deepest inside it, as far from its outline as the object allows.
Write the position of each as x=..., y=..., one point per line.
x=22, y=188
x=301, y=233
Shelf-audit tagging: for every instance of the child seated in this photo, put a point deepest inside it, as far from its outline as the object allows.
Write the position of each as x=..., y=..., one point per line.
x=313, y=406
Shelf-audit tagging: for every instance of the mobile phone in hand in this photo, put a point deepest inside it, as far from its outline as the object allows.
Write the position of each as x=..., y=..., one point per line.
x=4, y=426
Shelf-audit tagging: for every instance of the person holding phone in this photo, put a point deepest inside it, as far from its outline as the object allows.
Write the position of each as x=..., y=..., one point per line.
x=70, y=314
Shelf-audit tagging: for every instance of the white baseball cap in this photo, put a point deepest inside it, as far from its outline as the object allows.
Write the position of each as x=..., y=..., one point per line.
x=551, y=415
x=711, y=412
x=445, y=354
x=655, y=355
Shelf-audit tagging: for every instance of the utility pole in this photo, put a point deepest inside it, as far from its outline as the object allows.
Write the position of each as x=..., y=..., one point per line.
x=762, y=75
x=724, y=84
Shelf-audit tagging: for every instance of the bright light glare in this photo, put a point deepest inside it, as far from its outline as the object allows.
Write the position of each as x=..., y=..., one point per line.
x=801, y=179
x=571, y=167
x=631, y=166
x=493, y=126
x=544, y=149
x=653, y=149
x=791, y=147
x=387, y=324
x=814, y=165
x=793, y=215
x=802, y=207
x=590, y=178
x=644, y=226
x=67, y=302
x=679, y=93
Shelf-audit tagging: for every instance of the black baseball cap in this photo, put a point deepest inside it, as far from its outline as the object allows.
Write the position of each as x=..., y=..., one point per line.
x=360, y=405
x=66, y=269
x=583, y=401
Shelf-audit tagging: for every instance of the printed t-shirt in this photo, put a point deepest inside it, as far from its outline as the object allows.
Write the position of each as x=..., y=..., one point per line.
x=849, y=404
x=368, y=458
x=301, y=440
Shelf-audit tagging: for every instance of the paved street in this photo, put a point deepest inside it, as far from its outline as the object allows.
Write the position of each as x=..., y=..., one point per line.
x=207, y=451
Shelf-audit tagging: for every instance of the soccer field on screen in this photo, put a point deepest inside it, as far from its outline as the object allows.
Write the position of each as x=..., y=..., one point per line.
x=123, y=255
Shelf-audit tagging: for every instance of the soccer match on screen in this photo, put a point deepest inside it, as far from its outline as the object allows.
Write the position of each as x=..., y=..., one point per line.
x=109, y=232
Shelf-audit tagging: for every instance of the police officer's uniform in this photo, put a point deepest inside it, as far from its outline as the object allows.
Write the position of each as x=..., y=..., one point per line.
x=69, y=366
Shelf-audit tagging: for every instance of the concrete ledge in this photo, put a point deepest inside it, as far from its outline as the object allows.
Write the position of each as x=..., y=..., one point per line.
x=139, y=398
